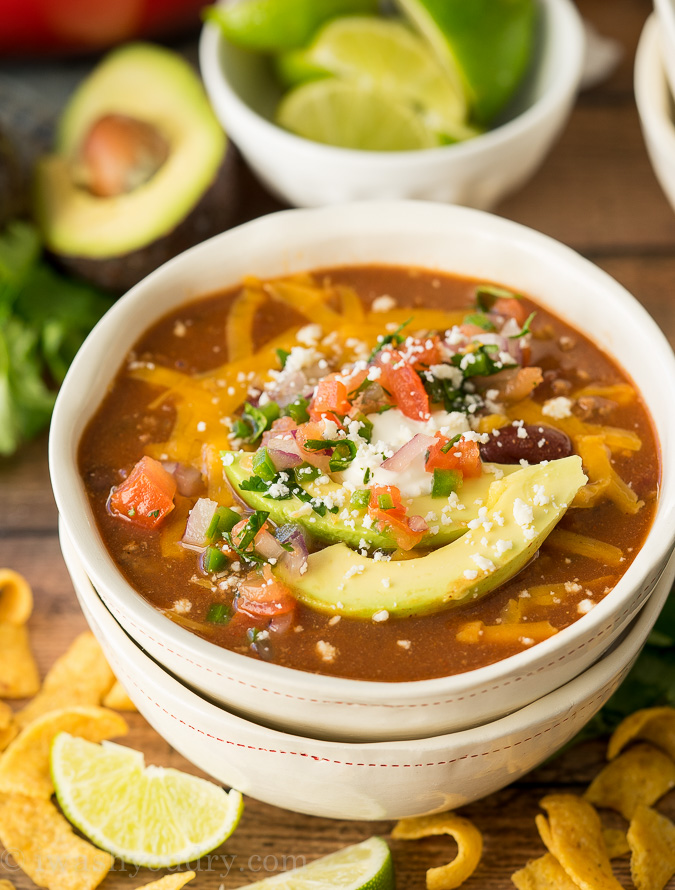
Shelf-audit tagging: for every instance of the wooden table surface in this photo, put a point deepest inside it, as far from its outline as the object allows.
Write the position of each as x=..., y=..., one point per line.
x=597, y=193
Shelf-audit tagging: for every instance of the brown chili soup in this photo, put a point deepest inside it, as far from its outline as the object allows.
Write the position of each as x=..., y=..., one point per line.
x=179, y=403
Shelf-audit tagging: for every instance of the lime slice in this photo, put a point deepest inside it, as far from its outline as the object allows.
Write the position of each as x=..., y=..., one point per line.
x=349, y=115
x=366, y=866
x=486, y=43
x=387, y=55
x=144, y=815
x=273, y=25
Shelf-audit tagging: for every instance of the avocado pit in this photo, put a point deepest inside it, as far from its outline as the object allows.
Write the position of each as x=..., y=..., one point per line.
x=118, y=155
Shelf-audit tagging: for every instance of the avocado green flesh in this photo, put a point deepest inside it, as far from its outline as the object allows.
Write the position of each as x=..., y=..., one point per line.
x=487, y=44
x=340, y=581
x=153, y=85
x=331, y=528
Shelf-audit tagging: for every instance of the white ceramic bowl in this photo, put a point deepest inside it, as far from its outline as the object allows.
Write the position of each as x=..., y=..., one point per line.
x=455, y=239
x=655, y=104
x=385, y=780
x=665, y=15
x=477, y=173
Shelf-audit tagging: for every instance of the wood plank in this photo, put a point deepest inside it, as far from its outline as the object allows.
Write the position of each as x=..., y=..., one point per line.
x=597, y=191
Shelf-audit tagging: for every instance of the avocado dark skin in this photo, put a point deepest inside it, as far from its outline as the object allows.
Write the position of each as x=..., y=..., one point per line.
x=12, y=185
x=215, y=211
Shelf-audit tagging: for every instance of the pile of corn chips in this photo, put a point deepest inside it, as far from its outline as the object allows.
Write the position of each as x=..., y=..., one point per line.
x=40, y=839
x=580, y=850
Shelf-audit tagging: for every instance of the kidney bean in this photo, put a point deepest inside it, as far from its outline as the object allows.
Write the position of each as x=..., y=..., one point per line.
x=505, y=446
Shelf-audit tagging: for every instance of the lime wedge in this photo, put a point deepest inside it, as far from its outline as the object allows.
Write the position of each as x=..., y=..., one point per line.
x=273, y=25
x=349, y=115
x=144, y=815
x=487, y=44
x=366, y=866
x=384, y=55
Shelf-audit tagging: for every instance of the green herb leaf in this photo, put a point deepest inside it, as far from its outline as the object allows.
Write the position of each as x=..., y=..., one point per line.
x=393, y=339
x=484, y=363
x=525, y=328
x=282, y=355
x=481, y=320
x=488, y=294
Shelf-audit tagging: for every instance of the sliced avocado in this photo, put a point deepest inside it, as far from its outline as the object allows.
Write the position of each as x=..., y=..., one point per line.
x=340, y=581
x=332, y=528
x=118, y=238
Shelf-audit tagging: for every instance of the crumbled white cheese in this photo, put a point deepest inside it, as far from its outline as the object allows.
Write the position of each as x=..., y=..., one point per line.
x=383, y=303
x=228, y=458
x=325, y=651
x=382, y=615
x=585, y=606
x=404, y=644
x=309, y=335
x=501, y=546
x=470, y=574
x=447, y=372
x=483, y=563
x=182, y=606
x=179, y=329
x=557, y=408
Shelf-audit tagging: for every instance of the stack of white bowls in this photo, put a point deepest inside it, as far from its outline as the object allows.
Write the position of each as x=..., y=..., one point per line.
x=654, y=92
x=345, y=748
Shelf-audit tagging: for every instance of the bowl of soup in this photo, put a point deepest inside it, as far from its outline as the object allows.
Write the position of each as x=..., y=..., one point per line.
x=379, y=471
x=343, y=780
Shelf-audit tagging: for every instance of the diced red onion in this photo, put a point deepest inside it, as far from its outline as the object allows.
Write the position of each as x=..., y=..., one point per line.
x=198, y=523
x=407, y=454
x=288, y=387
x=284, y=452
x=188, y=478
x=268, y=546
x=294, y=560
x=279, y=624
x=417, y=524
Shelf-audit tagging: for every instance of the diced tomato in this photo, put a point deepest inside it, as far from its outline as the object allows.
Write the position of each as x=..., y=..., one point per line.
x=329, y=399
x=425, y=352
x=146, y=496
x=385, y=492
x=510, y=308
x=264, y=595
x=355, y=381
x=463, y=456
x=404, y=536
x=392, y=519
x=402, y=381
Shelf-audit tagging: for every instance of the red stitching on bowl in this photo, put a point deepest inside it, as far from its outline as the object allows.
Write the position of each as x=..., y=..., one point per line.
x=318, y=759
x=319, y=701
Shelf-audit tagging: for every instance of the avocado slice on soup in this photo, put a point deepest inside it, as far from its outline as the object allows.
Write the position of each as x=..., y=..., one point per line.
x=141, y=169
x=451, y=515
x=521, y=510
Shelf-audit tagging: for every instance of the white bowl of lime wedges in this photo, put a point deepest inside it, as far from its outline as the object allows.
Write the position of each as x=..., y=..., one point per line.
x=450, y=137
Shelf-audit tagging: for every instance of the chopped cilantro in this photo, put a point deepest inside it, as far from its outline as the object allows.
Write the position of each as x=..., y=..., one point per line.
x=448, y=445
x=525, y=328
x=481, y=320
x=344, y=451
x=488, y=294
x=253, y=525
x=282, y=355
x=154, y=514
x=393, y=339
x=367, y=476
x=483, y=364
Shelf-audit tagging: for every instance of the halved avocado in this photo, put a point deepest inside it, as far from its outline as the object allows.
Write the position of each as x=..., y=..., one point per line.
x=331, y=527
x=186, y=193
x=342, y=582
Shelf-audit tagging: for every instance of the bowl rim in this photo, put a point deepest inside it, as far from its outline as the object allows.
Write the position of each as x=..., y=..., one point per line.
x=69, y=492
x=556, y=702
x=652, y=91
x=565, y=29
